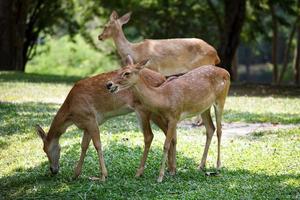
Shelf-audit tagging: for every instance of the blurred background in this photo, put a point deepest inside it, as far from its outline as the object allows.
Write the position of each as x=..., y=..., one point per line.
x=258, y=41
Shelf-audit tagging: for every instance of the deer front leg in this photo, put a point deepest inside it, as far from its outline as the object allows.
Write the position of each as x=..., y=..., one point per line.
x=84, y=145
x=162, y=124
x=148, y=137
x=170, y=134
x=94, y=132
x=172, y=156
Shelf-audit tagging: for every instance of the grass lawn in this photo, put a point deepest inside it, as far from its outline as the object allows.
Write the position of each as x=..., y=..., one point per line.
x=263, y=165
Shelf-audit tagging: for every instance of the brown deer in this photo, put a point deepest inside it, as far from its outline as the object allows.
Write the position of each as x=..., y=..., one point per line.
x=167, y=56
x=193, y=93
x=88, y=105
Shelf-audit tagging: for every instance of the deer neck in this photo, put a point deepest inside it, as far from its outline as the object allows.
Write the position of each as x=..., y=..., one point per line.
x=122, y=44
x=53, y=135
x=151, y=97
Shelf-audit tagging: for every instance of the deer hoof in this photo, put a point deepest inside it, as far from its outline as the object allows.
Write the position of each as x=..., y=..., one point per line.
x=160, y=179
x=201, y=168
x=172, y=173
x=103, y=178
x=139, y=173
x=76, y=173
x=94, y=178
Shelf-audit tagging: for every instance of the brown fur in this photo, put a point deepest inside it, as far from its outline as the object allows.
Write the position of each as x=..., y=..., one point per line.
x=88, y=105
x=167, y=56
x=190, y=94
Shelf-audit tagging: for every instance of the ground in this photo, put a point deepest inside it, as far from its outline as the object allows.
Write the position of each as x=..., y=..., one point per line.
x=258, y=164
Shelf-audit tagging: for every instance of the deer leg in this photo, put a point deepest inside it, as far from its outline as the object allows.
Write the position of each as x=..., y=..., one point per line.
x=172, y=151
x=84, y=146
x=210, y=129
x=148, y=137
x=93, y=131
x=218, y=112
x=170, y=134
x=198, y=121
x=172, y=155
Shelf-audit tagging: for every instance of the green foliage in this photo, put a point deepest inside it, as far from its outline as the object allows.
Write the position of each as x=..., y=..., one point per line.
x=60, y=56
x=44, y=18
x=158, y=19
x=264, y=165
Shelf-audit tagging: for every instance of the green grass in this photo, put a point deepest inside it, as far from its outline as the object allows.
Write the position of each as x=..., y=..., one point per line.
x=264, y=165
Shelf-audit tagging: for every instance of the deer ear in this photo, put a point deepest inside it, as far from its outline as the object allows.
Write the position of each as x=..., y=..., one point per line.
x=142, y=64
x=114, y=15
x=125, y=18
x=129, y=60
x=40, y=132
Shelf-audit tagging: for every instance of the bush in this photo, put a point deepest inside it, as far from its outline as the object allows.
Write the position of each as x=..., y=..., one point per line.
x=70, y=58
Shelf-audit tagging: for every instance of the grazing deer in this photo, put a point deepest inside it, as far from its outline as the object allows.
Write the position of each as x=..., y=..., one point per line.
x=190, y=94
x=88, y=105
x=167, y=56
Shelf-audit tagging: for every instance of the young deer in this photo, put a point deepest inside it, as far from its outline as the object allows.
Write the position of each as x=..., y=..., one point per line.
x=190, y=94
x=88, y=105
x=167, y=56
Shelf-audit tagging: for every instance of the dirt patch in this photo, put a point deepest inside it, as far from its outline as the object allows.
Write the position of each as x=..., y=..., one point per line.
x=242, y=129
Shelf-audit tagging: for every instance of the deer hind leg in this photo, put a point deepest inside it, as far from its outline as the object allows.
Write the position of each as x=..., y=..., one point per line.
x=219, y=106
x=93, y=131
x=198, y=121
x=84, y=146
x=170, y=134
x=144, y=118
x=210, y=129
x=162, y=124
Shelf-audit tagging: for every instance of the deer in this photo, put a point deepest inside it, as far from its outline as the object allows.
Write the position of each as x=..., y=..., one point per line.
x=167, y=56
x=190, y=94
x=88, y=105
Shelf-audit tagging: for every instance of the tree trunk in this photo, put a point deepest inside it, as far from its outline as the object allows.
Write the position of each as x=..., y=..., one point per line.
x=235, y=63
x=297, y=62
x=233, y=22
x=297, y=59
x=287, y=50
x=13, y=22
x=274, y=43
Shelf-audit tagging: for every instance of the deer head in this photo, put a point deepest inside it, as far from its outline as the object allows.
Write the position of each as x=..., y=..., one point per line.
x=52, y=150
x=126, y=77
x=114, y=25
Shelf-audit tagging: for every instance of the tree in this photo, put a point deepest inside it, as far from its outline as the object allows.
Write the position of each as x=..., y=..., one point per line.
x=24, y=21
x=297, y=58
x=234, y=16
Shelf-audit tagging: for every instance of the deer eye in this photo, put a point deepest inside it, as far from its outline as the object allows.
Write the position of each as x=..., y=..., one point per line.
x=126, y=74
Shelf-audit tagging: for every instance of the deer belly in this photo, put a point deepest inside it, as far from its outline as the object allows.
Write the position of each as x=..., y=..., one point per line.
x=196, y=109
x=185, y=115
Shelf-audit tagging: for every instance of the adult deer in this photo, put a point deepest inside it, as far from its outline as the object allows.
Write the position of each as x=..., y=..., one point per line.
x=88, y=105
x=167, y=56
x=193, y=93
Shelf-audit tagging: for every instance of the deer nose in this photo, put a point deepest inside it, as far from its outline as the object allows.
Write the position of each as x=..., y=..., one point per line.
x=54, y=170
x=100, y=37
x=108, y=85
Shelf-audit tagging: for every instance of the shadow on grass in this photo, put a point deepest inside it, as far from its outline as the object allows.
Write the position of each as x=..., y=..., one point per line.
x=19, y=118
x=284, y=118
x=36, y=78
x=122, y=160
